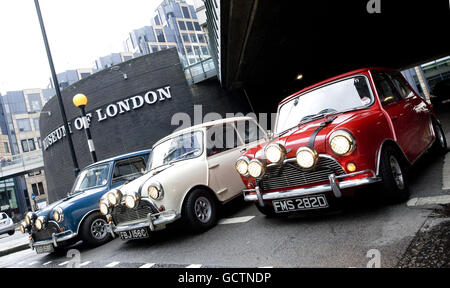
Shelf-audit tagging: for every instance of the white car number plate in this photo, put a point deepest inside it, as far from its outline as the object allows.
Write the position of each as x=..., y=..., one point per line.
x=48, y=248
x=301, y=203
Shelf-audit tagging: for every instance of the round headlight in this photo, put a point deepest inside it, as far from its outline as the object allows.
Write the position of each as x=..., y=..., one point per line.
x=155, y=191
x=29, y=217
x=131, y=201
x=58, y=214
x=342, y=142
x=22, y=227
x=104, y=208
x=275, y=153
x=241, y=166
x=256, y=168
x=39, y=223
x=306, y=157
x=114, y=197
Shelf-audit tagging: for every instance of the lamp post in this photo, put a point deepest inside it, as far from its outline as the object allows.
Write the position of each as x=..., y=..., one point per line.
x=58, y=93
x=80, y=101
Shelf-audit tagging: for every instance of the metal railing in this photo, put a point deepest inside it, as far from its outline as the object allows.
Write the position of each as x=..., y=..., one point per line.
x=200, y=71
x=20, y=163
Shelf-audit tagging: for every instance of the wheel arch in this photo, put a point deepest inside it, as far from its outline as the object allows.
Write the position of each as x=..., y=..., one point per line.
x=391, y=143
x=204, y=187
x=84, y=218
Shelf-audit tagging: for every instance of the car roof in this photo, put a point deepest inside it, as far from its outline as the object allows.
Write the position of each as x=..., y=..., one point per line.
x=120, y=157
x=204, y=125
x=344, y=75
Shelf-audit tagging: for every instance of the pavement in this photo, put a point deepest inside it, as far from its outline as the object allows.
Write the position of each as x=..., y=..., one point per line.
x=13, y=243
x=407, y=234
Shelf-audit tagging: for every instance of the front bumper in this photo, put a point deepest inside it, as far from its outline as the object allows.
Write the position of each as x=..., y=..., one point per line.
x=56, y=238
x=334, y=186
x=156, y=221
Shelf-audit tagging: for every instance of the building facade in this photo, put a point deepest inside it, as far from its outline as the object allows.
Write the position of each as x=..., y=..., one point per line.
x=173, y=24
x=69, y=77
x=113, y=59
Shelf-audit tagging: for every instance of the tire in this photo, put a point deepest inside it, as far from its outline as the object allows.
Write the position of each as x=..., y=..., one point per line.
x=200, y=210
x=440, y=144
x=10, y=233
x=266, y=210
x=93, y=231
x=394, y=187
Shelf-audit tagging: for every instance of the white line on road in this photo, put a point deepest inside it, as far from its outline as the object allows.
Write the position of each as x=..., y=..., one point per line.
x=266, y=267
x=194, y=266
x=148, y=265
x=235, y=220
x=85, y=263
x=446, y=173
x=63, y=263
x=46, y=263
x=32, y=263
x=112, y=264
x=443, y=199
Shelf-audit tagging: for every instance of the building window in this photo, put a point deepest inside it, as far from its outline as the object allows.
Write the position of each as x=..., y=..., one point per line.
x=189, y=50
x=190, y=26
x=160, y=35
x=163, y=47
x=24, y=125
x=182, y=25
x=38, y=189
x=25, y=145
x=201, y=38
x=38, y=140
x=41, y=188
x=157, y=22
x=193, y=38
x=186, y=38
x=185, y=12
x=205, y=50
x=197, y=26
x=34, y=100
x=36, y=124
x=84, y=75
x=126, y=58
x=31, y=144
x=154, y=48
x=6, y=146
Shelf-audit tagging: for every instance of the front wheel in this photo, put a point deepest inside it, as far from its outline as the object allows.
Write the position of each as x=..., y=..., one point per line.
x=93, y=230
x=393, y=185
x=10, y=233
x=200, y=210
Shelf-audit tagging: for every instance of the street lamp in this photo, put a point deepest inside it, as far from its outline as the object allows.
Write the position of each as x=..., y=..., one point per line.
x=80, y=101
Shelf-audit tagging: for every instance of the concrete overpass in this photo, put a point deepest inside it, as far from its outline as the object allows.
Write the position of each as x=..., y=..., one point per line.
x=21, y=164
x=263, y=45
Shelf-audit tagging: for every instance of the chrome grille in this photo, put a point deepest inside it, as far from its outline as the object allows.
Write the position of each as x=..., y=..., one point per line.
x=46, y=233
x=123, y=214
x=291, y=175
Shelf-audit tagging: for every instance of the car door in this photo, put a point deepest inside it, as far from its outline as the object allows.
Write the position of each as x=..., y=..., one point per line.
x=400, y=113
x=419, y=112
x=223, y=149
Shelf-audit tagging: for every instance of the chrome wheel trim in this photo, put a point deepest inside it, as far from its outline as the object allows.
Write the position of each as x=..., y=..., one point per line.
x=98, y=229
x=203, y=209
x=397, y=172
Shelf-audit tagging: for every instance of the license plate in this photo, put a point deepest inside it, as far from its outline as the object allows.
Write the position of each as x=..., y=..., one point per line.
x=301, y=203
x=48, y=248
x=134, y=234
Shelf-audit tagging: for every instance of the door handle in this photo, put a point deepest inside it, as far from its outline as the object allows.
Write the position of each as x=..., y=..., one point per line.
x=214, y=166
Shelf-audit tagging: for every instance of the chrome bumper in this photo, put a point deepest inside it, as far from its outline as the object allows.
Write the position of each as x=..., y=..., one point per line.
x=56, y=238
x=335, y=186
x=151, y=222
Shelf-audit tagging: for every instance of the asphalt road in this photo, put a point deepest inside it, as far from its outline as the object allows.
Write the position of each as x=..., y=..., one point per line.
x=341, y=239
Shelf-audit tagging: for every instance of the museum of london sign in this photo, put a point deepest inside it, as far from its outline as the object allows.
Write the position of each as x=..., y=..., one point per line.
x=110, y=111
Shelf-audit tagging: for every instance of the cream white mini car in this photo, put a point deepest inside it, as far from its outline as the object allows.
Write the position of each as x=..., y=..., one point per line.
x=190, y=174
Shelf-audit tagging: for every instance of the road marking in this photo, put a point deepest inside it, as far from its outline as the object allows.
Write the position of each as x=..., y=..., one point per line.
x=46, y=263
x=266, y=267
x=446, y=173
x=19, y=263
x=112, y=264
x=85, y=263
x=194, y=266
x=235, y=220
x=63, y=263
x=32, y=263
x=443, y=199
x=148, y=265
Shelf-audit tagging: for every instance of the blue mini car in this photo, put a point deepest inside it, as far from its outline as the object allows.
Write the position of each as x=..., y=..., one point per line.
x=77, y=216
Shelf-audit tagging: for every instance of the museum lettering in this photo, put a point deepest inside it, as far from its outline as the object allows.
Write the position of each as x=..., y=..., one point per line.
x=110, y=111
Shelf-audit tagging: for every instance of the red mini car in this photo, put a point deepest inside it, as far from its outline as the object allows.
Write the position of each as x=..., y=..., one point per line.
x=363, y=127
